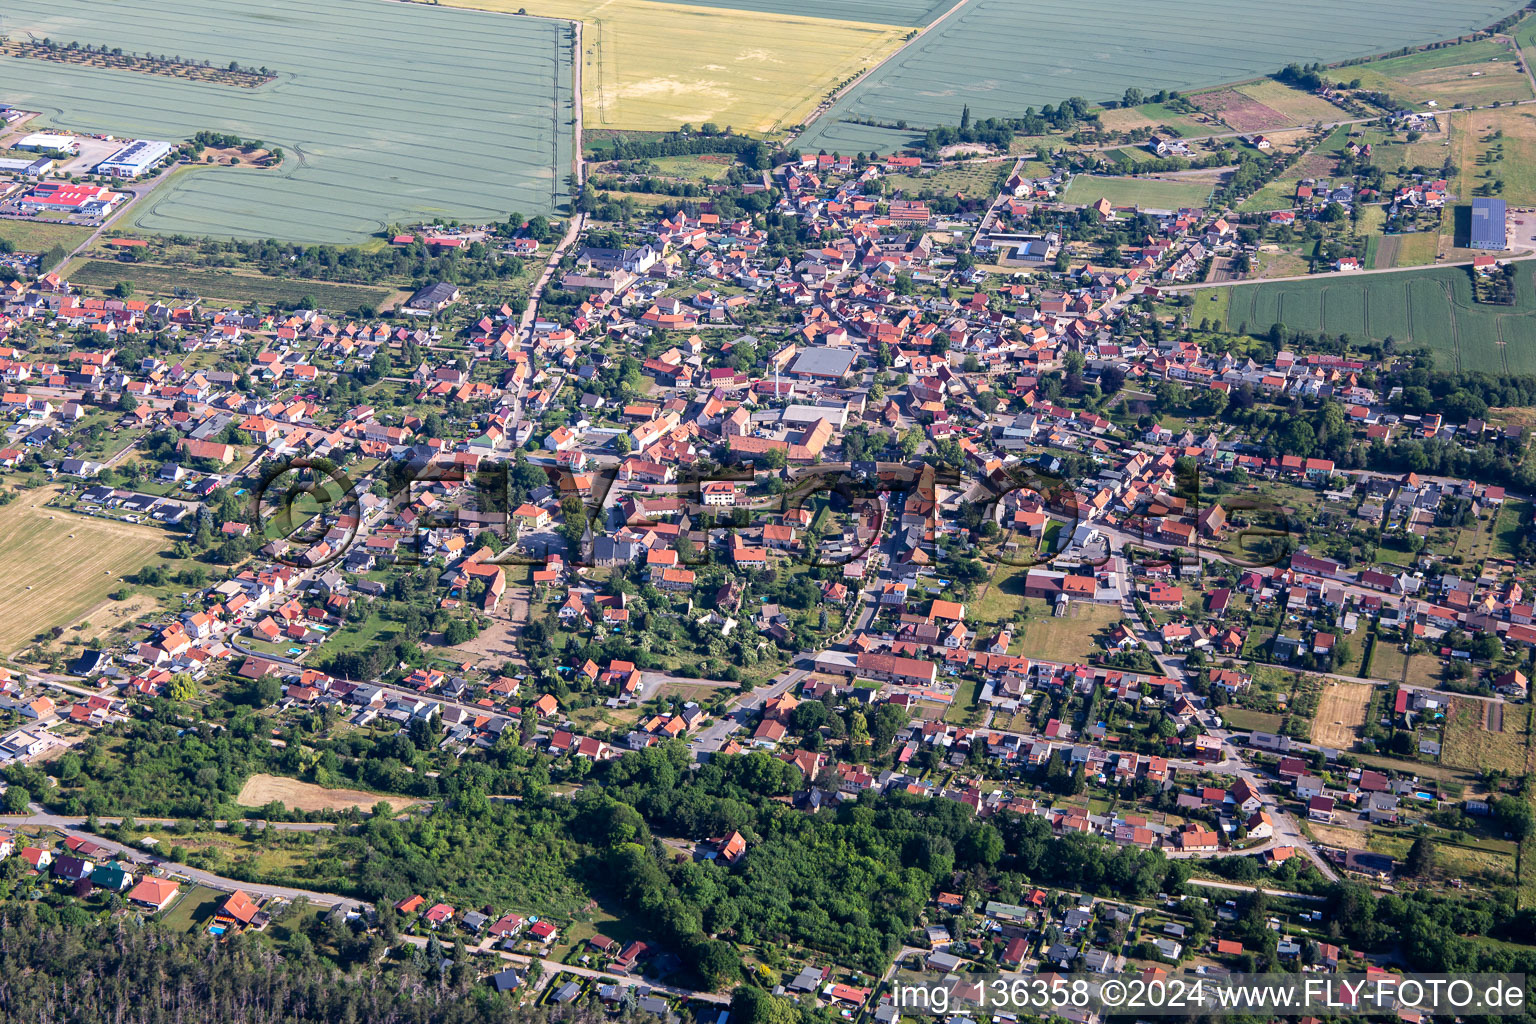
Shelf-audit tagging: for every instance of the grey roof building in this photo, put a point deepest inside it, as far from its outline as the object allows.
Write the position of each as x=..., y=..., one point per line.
x=1488, y=224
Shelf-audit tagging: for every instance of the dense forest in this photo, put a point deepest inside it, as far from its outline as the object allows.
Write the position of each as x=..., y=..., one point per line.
x=67, y=967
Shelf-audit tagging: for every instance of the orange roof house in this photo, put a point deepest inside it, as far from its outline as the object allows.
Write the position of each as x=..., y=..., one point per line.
x=153, y=894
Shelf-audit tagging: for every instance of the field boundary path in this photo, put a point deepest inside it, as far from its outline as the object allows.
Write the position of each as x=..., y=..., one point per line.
x=832, y=100
x=579, y=171
x=1342, y=274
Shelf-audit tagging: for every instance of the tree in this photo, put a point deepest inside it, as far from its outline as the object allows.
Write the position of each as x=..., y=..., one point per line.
x=716, y=962
x=267, y=691
x=1421, y=858
x=1486, y=647
x=982, y=846
x=1515, y=816
x=750, y=1005
x=16, y=799
x=182, y=687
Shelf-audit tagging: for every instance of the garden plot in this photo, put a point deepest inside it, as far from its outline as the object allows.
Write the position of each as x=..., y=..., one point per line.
x=387, y=112
x=1000, y=56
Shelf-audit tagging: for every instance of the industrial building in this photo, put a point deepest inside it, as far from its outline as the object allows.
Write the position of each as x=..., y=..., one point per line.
x=823, y=364
x=26, y=168
x=63, y=197
x=42, y=142
x=1489, y=230
x=138, y=157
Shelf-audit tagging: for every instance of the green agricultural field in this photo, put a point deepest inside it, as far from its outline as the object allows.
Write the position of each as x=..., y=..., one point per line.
x=1490, y=146
x=378, y=122
x=1433, y=308
x=988, y=54
x=1142, y=193
x=1474, y=74
x=148, y=279
x=41, y=235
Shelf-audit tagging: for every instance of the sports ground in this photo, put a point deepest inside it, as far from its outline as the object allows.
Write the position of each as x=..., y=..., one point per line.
x=999, y=56
x=1431, y=308
x=387, y=112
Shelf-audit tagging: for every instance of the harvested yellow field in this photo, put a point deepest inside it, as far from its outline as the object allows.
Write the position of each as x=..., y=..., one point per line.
x=1340, y=714
x=57, y=567
x=260, y=790
x=657, y=66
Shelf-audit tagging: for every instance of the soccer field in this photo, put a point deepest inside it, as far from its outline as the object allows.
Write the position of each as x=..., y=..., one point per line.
x=387, y=112
x=1000, y=56
x=56, y=566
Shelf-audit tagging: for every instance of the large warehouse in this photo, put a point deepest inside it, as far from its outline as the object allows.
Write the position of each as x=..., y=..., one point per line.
x=137, y=157
x=43, y=142
x=1488, y=227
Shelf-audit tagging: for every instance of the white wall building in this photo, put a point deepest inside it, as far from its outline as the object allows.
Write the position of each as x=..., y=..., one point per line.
x=138, y=157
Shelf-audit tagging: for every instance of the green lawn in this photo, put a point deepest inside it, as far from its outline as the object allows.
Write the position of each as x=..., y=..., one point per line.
x=1243, y=718
x=1142, y=193
x=192, y=909
x=1513, y=521
x=357, y=636
x=1000, y=601
x=1068, y=639
x=41, y=235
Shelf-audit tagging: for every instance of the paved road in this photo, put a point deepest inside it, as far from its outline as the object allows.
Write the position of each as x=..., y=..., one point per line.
x=138, y=192
x=713, y=736
x=1337, y=274
x=553, y=967
x=146, y=859
x=76, y=824
x=1240, y=887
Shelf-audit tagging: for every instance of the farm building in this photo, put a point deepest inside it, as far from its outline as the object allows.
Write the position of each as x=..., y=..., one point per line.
x=138, y=157
x=1488, y=224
